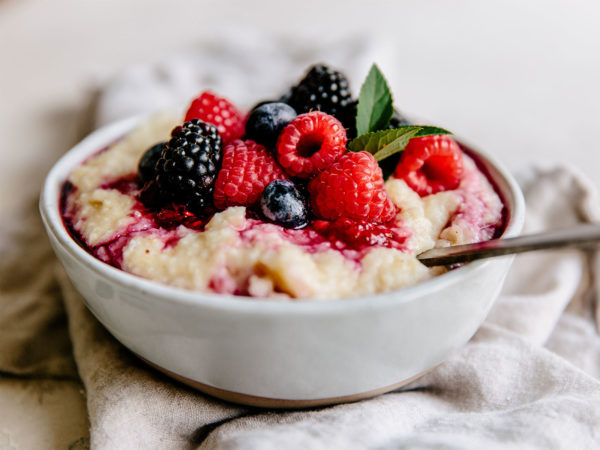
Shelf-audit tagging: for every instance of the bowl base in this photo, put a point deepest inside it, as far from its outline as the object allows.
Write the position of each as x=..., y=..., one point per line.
x=279, y=403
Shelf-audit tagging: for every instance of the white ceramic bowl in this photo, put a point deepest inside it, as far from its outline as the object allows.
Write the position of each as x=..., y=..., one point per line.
x=281, y=354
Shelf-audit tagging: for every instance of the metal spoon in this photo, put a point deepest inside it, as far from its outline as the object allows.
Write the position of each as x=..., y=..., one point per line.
x=580, y=236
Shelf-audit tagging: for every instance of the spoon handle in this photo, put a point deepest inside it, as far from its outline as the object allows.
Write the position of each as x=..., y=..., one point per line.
x=587, y=235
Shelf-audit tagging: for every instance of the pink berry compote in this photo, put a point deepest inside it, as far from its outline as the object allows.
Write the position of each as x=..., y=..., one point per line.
x=280, y=204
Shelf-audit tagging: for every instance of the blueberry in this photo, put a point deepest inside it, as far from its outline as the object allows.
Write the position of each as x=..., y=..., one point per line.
x=148, y=162
x=266, y=121
x=282, y=203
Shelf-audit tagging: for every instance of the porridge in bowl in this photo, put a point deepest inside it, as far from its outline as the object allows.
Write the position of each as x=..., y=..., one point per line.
x=285, y=203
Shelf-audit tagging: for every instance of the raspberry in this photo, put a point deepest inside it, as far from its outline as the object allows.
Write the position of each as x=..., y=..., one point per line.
x=218, y=111
x=186, y=170
x=247, y=169
x=431, y=164
x=352, y=187
x=309, y=143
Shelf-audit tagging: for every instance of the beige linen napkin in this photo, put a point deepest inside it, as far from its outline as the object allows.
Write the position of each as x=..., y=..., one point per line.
x=529, y=378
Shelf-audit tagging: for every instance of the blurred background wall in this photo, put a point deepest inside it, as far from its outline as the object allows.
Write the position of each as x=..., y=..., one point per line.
x=520, y=79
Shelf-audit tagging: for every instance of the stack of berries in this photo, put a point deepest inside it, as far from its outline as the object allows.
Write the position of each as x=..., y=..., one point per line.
x=290, y=160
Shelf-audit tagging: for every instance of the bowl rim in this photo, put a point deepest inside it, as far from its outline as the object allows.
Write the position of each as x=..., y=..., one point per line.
x=49, y=205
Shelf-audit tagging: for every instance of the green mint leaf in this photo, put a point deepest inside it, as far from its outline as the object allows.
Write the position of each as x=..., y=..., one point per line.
x=374, y=141
x=431, y=131
x=384, y=143
x=375, y=104
x=395, y=146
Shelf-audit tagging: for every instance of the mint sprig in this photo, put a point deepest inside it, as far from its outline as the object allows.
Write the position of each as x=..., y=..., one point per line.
x=375, y=105
x=384, y=143
x=373, y=113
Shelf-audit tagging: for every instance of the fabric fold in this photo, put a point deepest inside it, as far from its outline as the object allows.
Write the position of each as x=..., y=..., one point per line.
x=33, y=336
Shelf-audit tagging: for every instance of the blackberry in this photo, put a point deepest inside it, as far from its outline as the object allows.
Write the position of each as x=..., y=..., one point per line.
x=188, y=165
x=266, y=121
x=284, y=204
x=148, y=162
x=348, y=118
x=322, y=89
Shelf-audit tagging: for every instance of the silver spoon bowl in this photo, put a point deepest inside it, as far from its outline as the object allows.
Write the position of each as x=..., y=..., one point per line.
x=580, y=236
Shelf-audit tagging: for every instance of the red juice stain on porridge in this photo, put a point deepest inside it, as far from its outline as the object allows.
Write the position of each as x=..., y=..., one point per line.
x=350, y=239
